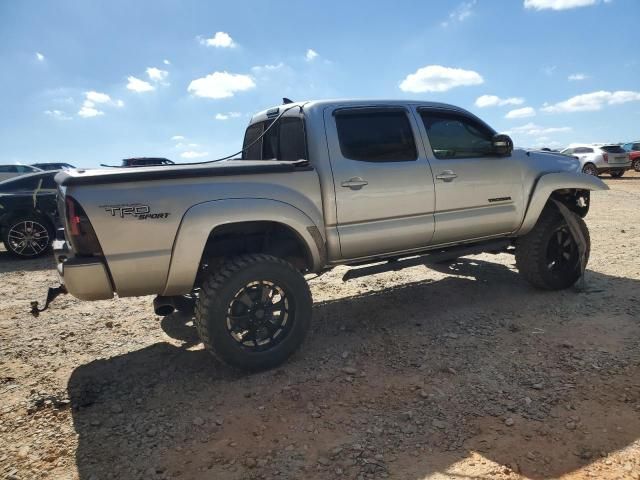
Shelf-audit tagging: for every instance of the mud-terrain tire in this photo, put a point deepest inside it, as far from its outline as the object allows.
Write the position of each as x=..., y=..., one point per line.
x=547, y=257
x=234, y=314
x=28, y=236
x=616, y=173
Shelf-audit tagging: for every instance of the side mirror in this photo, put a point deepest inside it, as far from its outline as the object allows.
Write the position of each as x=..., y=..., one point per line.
x=502, y=144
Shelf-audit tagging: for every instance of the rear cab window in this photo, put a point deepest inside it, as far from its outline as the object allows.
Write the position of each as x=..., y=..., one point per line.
x=375, y=135
x=284, y=141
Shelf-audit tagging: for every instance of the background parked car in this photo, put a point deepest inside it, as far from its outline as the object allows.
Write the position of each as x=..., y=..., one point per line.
x=146, y=162
x=597, y=159
x=14, y=170
x=28, y=214
x=633, y=148
x=53, y=166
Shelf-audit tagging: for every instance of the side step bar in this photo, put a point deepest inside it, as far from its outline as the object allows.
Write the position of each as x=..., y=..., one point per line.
x=435, y=256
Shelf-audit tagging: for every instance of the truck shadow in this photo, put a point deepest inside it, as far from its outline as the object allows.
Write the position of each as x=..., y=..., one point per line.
x=9, y=263
x=438, y=368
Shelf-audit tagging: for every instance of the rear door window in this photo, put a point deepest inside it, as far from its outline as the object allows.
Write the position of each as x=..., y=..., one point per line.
x=583, y=150
x=375, y=135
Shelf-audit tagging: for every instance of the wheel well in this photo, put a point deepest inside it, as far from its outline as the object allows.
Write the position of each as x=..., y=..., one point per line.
x=577, y=200
x=241, y=238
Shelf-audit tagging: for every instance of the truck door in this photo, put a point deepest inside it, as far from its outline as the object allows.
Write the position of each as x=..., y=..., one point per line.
x=478, y=193
x=383, y=183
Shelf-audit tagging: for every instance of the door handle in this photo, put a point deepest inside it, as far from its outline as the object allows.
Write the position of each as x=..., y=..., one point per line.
x=447, y=176
x=355, y=183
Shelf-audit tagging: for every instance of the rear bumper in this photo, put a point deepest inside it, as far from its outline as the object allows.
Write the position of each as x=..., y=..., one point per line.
x=85, y=278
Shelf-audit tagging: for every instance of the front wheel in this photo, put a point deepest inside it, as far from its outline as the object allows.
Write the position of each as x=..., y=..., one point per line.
x=616, y=173
x=548, y=256
x=254, y=312
x=28, y=237
x=636, y=164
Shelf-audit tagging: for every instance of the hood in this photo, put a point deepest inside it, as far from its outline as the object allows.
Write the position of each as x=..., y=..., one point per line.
x=553, y=161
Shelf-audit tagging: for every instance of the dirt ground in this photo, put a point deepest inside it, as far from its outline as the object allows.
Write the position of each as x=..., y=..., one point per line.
x=464, y=371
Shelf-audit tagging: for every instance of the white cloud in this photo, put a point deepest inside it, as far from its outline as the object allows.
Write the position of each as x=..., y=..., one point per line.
x=523, y=112
x=310, y=55
x=137, y=85
x=228, y=115
x=460, y=13
x=576, y=77
x=157, y=75
x=166, y=62
x=193, y=154
x=88, y=110
x=267, y=68
x=536, y=130
x=177, y=138
x=436, y=78
x=590, y=102
x=220, y=85
x=557, y=4
x=495, y=101
x=219, y=40
x=57, y=114
x=39, y=57
x=91, y=98
x=97, y=97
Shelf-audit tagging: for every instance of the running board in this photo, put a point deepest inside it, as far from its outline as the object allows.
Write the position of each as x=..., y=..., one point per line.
x=435, y=256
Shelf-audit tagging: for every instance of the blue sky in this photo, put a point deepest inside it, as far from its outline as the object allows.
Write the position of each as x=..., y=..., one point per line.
x=94, y=81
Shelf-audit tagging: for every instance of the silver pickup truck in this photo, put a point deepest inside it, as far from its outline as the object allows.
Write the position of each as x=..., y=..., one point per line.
x=377, y=185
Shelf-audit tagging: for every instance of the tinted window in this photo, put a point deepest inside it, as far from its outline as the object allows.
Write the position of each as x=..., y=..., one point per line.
x=8, y=169
x=30, y=183
x=455, y=136
x=284, y=141
x=25, y=169
x=635, y=146
x=567, y=151
x=613, y=149
x=583, y=150
x=376, y=136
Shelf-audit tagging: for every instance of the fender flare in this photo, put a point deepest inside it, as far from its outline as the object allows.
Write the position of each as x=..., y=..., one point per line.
x=549, y=183
x=201, y=219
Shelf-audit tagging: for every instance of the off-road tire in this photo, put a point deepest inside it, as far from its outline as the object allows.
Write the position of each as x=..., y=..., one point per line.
x=636, y=164
x=42, y=224
x=218, y=292
x=531, y=252
x=616, y=173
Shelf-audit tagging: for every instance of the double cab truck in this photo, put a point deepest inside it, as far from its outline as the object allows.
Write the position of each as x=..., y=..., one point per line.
x=373, y=185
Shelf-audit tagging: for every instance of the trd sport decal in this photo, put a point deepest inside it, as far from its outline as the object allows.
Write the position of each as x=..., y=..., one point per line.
x=137, y=210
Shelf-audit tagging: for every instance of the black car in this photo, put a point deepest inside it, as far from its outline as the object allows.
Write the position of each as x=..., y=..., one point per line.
x=28, y=213
x=53, y=166
x=146, y=162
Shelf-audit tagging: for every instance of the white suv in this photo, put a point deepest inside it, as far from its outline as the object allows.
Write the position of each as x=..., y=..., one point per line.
x=14, y=170
x=597, y=158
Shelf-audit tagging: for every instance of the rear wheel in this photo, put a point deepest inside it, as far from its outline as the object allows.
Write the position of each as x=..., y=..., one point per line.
x=590, y=169
x=616, y=173
x=548, y=256
x=254, y=312
x=636, y=164
x=28, y=236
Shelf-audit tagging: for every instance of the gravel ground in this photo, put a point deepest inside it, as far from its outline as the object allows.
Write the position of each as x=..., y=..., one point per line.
x=463, y=371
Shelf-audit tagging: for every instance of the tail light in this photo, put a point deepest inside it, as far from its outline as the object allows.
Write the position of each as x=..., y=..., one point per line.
x=81, y=235
x=605, y=156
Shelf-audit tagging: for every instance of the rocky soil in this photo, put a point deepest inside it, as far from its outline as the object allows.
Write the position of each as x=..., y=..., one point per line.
x=463, y=371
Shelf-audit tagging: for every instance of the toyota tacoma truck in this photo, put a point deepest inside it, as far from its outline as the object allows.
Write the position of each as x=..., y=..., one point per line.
x=374, y=185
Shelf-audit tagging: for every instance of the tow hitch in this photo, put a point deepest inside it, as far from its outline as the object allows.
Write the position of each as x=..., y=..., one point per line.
x=52, y=294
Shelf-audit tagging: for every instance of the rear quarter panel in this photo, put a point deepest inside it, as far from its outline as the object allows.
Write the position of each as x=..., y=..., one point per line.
x=138, y=249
